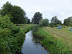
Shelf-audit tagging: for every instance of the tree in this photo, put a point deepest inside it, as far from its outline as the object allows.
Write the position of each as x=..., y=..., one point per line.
x=67, y=21
x=26, y=18
x=59, y=22
x=18, y=15
x=28, y=22
x=70, y=24
x=36, y=18
x=44, y=22
x=16, y=12
x=6, y=9
x=0, y=12
x=55, y=21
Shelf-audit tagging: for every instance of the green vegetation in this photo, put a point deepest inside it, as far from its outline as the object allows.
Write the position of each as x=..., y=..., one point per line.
x=28, y=21
x=56, y=41
x=18, y=16
x=11, y=36
x=55, y=21
x=43, y=22
x=68, y=21
x=70, y=24
x=26, y=27
x=36, y=18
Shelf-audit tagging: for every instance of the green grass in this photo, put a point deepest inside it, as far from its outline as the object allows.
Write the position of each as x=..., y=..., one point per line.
x=56, y=41
x=64, y=34
x=26, y=27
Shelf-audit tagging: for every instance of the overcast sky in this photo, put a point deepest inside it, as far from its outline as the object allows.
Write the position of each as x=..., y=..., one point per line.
x=49, y=8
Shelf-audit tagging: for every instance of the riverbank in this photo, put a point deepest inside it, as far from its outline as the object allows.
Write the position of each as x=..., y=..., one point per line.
x=30, y=47
x=54, y=40
x=24, y=28
x=12, y=36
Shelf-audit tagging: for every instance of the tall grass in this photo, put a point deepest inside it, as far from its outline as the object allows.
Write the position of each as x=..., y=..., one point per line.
x=53, y=44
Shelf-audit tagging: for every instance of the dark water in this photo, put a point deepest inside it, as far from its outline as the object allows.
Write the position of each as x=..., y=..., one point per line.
x=29, y=47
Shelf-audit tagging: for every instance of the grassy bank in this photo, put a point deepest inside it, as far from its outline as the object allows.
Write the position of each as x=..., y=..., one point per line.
x=54, y=40
x=12, y=36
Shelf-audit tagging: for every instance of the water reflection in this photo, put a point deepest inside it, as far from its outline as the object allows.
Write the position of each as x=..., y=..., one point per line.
x=29, y=47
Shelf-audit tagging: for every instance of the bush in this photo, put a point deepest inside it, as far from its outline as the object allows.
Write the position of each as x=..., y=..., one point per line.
x=11, y=37
x=44, y=22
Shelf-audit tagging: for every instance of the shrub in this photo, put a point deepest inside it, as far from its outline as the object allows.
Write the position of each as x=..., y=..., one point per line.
x=11, y=37
x=44, y=22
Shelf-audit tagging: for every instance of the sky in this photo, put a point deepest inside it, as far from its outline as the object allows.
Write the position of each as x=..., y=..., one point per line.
x=49, y=8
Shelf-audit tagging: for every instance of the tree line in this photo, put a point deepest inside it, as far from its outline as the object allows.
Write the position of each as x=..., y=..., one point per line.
x=38, y=19
x=18, y=16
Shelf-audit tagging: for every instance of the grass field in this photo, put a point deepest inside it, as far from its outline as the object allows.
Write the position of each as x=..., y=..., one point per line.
x=56, y=41
x=64, y=34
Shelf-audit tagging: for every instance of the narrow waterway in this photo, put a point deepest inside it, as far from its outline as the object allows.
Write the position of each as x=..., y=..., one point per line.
x=30, y=47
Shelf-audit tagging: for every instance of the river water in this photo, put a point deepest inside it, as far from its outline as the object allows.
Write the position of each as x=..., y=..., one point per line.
x=30, y=47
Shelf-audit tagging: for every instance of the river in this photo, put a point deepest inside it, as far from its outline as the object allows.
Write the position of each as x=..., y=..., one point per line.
x=30, y=47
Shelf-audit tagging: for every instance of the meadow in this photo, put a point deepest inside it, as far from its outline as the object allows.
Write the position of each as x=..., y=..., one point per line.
x=64, y=33
x=56, y=41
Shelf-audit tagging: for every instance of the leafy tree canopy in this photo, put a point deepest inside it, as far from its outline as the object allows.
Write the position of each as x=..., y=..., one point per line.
x=27, y=21
x=68, y=21
x=44, y=22
x=36, y=18
x=16, y=12
x=55, y=21
x=70, y=24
